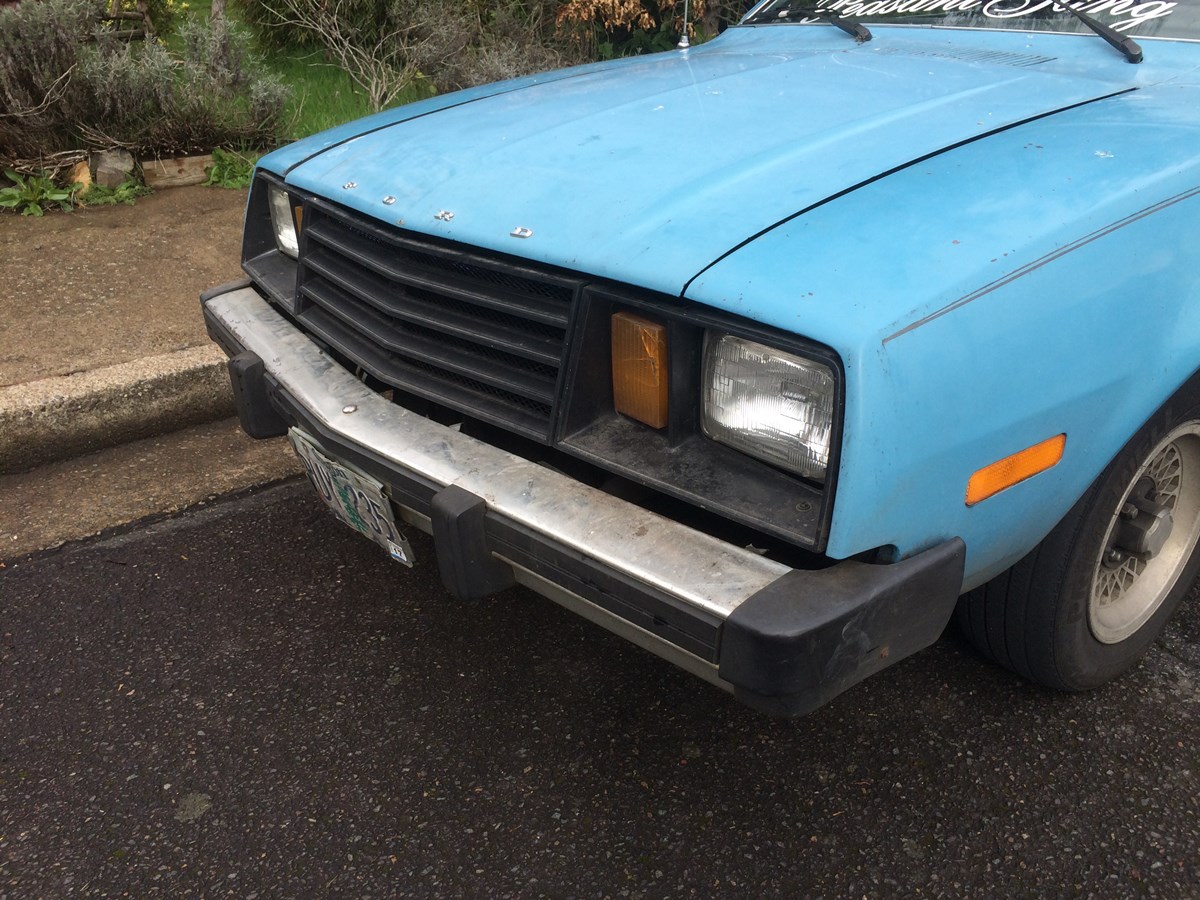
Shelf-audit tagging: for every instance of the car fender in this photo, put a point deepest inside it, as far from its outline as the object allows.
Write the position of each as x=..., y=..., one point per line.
x=1040, y=281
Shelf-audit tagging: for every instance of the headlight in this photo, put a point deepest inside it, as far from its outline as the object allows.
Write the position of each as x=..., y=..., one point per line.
x=769, y=404
x=283, y=222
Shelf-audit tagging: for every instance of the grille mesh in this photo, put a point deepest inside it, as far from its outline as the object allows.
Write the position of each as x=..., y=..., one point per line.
x=476, y=333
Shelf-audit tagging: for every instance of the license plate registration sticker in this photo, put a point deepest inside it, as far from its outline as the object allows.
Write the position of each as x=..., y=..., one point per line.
x=355, y=497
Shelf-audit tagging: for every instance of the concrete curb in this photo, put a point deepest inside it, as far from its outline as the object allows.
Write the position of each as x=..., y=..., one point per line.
x=62, y=417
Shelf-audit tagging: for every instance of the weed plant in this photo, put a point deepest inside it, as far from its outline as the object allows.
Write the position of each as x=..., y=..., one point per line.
x=230, y=169
x=126, y=192
x=32, y=195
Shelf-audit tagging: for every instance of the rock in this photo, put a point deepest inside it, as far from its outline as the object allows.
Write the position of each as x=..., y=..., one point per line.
x=111, y=168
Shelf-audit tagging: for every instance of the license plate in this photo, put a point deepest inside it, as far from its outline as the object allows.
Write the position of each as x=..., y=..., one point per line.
x=355, y=497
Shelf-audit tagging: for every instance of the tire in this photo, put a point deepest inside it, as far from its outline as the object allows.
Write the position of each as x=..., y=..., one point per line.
x=1089, y=600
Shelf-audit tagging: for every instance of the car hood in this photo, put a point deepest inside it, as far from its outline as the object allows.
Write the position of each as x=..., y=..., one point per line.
x=648, y=171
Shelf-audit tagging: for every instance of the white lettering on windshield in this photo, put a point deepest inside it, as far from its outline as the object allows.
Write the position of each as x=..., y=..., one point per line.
x=1130, y=12
x=1137, y=13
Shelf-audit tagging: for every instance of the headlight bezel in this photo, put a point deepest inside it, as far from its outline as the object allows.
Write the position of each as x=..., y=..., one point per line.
x=267, y=266
x=681, y=460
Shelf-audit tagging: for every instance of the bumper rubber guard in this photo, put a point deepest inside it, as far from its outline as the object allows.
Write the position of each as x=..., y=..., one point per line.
x=808, y=636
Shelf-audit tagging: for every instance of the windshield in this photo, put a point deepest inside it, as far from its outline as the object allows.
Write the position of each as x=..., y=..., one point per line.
x=1136, y=18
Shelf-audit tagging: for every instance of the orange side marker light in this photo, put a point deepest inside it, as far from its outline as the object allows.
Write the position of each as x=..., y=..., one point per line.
x=1004, y=473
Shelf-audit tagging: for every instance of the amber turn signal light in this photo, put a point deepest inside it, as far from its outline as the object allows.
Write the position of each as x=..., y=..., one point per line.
x=298, y=212
x=639, y=369
x=1006, y=472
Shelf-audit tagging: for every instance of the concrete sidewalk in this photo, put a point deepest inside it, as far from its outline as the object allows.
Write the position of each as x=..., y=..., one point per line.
x=108, y=380
x=101, y=337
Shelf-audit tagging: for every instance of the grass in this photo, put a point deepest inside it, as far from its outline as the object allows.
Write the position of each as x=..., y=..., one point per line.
x=322, y=95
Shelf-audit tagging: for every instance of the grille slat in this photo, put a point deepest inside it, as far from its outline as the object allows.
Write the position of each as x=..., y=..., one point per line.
x=511, y=410
x=480, y=334
x=416, y=272
x=417, y=310
x=423, y=346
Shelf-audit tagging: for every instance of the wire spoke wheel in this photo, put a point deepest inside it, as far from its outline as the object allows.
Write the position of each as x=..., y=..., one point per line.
x=1151, y=536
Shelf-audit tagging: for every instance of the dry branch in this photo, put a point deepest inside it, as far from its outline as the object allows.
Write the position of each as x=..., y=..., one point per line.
x=54, y=93
x=54, y=163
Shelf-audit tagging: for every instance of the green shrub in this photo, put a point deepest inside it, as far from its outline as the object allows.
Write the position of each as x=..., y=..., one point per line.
x=40, y=46
x=222, y=96
x=57, y=93
x=119, y=94
x=513, y=38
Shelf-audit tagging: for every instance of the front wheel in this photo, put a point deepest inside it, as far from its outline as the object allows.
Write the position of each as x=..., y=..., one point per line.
x=1088, y=601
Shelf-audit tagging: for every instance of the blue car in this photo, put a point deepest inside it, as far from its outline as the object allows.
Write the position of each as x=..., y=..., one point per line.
x=772, y=354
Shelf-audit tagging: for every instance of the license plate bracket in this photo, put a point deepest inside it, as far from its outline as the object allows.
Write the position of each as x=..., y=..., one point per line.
x=356, y=498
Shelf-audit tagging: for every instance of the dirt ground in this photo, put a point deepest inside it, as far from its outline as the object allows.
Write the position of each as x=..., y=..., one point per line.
x=101, y=286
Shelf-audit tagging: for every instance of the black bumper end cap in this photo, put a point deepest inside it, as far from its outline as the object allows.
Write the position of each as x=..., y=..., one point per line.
x=468, y=569
x=808, y=636
x=227, y=288
x=257, y=416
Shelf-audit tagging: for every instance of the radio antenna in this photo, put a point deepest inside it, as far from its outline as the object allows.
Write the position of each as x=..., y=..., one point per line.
x=683, y=38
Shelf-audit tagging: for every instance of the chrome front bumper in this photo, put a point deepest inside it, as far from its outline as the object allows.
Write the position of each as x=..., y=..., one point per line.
x=601, y=556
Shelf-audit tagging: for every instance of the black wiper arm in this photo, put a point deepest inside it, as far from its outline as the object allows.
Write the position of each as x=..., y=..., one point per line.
x=851, y=26
x=1126, y=45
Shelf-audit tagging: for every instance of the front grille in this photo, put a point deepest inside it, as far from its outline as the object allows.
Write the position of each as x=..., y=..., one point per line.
x=476, y=333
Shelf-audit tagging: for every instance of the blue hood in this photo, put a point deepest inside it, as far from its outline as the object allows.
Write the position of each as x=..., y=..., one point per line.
x=648, y=171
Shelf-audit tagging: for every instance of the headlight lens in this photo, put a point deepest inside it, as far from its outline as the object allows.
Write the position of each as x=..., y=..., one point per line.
x=283, y=222
x=772, y=405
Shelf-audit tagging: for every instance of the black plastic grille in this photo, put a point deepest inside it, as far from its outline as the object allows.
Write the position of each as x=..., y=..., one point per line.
x=476, y=333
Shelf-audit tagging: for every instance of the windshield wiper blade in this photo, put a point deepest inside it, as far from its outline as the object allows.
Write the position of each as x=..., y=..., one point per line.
x=851, y=26
x=1127, y=46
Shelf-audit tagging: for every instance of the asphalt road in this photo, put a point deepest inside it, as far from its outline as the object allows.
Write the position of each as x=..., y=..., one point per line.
x=249, y=700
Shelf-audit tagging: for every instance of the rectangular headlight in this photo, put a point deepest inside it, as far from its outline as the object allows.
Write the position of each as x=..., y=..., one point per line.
x=772, y=405
x=282, y=221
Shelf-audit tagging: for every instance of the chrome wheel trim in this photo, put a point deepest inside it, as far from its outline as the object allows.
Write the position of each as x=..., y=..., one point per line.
x=1123, y=598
